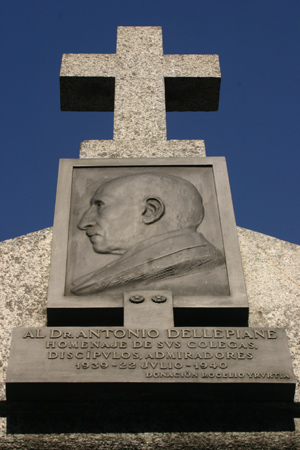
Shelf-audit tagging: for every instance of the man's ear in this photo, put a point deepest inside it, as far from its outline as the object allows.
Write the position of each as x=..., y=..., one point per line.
x=154, y=210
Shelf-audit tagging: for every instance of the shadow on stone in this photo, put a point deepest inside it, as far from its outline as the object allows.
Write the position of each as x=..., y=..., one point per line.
x=139, y=417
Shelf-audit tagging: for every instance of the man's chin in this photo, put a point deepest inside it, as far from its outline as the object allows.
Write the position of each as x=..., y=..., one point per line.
x=105, y=250
x=100, y=249
x=98, y=244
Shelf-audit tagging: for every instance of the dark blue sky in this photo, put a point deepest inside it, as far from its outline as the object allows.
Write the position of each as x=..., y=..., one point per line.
x=256, y=127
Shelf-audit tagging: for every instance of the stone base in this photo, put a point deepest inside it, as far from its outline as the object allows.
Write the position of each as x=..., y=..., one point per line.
x=272, y=277
x=271, y=268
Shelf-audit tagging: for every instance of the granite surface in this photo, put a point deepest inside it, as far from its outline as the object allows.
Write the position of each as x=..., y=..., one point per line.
x=146, y=83
x=144, y=149
x=271, y=271
x=271, y=268
x=272, y=279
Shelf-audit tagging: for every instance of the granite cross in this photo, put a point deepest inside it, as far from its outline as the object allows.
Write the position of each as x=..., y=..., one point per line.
x=139, y=83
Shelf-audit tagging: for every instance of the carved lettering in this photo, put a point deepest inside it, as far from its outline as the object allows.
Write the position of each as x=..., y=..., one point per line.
x=216, y=354
x=139, y=344
x=271, y=334
x=173, y=333
x=34, y=334
x=54, y=334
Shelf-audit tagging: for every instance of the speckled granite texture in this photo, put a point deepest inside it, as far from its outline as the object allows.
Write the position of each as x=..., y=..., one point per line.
x=138, y=149
x=139, y=83
x=272, y=278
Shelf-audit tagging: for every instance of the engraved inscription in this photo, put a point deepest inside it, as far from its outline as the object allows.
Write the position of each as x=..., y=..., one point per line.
x=179, y=353
x=119, y=362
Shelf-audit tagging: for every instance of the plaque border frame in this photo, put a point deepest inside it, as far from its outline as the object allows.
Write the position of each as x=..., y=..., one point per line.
x=220, y=310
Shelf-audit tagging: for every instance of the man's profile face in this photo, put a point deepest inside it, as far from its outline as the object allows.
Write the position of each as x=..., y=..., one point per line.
x=114, y=220
x=131, y=209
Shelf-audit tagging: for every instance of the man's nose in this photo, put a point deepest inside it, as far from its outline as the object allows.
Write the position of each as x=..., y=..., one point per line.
x=87, y=220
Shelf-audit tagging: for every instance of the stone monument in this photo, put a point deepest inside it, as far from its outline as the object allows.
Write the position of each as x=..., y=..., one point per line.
x=155, y=304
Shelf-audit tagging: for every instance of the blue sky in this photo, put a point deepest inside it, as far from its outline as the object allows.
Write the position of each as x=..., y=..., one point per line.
x=256, y=127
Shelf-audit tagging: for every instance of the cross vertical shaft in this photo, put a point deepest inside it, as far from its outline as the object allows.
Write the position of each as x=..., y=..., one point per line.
x=140, y=111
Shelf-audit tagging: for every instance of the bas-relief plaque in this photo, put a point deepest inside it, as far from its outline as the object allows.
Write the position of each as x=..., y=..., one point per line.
x=76, y=363
x=157, y=224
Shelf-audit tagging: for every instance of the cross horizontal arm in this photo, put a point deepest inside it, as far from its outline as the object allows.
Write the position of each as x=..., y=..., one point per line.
x=87, y=82
x=139, y=83
x=192, y=82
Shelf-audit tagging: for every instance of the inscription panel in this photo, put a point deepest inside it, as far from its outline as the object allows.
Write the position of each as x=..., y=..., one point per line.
x=202, y=362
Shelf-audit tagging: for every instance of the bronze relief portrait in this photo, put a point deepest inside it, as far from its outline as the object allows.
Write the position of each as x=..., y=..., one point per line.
x=148, y=224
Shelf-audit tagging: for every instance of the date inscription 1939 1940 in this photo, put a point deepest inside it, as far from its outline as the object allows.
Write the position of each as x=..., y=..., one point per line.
x=181, y=355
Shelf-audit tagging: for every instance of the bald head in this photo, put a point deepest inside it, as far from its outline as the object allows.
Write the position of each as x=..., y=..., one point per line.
x=133, y=208
x=182, y=202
